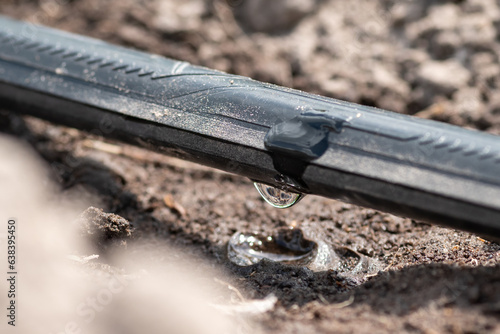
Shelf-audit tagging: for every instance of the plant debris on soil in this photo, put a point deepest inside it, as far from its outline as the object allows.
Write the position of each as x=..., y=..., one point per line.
x=430, y=58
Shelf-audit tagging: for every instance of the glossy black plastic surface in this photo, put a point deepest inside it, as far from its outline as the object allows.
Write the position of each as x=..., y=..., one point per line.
x=291, y=139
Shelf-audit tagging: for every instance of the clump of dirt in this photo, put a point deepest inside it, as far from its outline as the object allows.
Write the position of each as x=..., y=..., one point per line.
x=104, y=230
x=434, y=58
x=291, y=284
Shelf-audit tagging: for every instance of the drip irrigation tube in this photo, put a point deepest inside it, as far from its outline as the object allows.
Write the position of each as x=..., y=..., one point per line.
x=278, y=136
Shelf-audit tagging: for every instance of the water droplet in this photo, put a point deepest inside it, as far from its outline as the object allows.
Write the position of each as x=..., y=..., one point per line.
x=286, y=245
x=276, y=197
x=292, y=246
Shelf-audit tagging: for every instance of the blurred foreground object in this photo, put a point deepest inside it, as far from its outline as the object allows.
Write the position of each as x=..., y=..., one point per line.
x=58, y=293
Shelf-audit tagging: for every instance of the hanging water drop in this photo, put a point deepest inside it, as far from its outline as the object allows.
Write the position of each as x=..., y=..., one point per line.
x=276, y=197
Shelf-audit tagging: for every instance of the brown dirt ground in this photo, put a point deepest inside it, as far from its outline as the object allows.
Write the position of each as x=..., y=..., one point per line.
x=396, y=55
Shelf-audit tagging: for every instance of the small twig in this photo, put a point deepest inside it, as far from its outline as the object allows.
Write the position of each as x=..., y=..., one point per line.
x=172, y=204
x=232, y=288
x=102, y=146
x=376, y=274
x=386, y=268
x=252, y=307
x=83, y=259
x=392, y=262
x=344, y=303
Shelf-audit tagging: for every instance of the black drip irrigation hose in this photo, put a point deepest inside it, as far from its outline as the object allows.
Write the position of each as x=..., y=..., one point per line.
x=278, y=136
